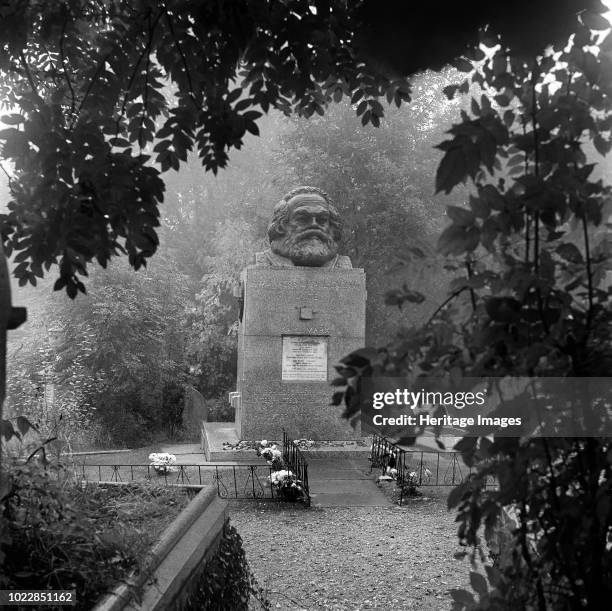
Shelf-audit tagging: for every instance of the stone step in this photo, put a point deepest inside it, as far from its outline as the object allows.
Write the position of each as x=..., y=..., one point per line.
x=343, y=482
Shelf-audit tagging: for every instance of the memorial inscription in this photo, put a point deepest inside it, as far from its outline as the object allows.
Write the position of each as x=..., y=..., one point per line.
x=304, y=358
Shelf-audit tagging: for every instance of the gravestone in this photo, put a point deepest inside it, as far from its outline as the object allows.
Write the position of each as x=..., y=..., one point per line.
x=195, y=409
x=303, y=309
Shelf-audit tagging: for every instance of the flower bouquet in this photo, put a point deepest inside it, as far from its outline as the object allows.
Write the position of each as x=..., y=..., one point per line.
x=287, y=486
x=163, y=463
x=412, y=481
x=272, y=455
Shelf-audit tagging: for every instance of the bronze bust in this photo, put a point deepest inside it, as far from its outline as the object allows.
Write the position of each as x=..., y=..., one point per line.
x=305, y=231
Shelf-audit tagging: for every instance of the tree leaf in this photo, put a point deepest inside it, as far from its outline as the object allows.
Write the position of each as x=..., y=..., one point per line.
x=570, y=252
x=461, y=216
x=503, y=309
x=502, y=99
x=12, y=119
x=413, y=296
x=478, y=582
x=457, y=240
x=452, y=170
x=493, y=575
x=450, y=91
x=337, y=397
x=474, y=107
x=24, y=425
x=595, y=21
x=7, y=431
x=462, y=596
x=479, y=207
x=602, y=145
x=462, y=64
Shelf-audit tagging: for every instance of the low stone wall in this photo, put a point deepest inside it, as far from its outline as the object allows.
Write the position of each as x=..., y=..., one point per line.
x=215, y=434
x=249, y=456
x=185, y=545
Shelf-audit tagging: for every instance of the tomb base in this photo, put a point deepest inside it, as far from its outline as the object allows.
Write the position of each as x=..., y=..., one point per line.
x=297, y=324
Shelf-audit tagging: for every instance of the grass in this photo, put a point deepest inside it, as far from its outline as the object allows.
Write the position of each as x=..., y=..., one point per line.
x=140, y=511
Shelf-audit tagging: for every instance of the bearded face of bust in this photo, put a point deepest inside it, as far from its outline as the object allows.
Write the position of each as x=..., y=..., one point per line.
x=308, y=233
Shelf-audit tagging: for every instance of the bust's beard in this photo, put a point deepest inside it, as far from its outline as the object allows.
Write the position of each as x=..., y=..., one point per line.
x=311, y=250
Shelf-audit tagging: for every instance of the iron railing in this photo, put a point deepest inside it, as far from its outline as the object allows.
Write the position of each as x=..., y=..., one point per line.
x=419, y=468
x=244, y=482
x=294, y=459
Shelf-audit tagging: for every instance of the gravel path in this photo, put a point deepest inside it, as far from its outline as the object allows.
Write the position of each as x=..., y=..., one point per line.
x=354, y=558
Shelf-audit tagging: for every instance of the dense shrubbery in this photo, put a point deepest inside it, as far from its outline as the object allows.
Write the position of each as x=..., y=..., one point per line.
x=58, y=536
x=226, y=581
x=532, y=253
x=48, y=542
x=111, y=365
x=62, y=538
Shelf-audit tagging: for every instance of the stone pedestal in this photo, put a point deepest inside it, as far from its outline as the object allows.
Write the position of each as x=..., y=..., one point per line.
x=297, y=323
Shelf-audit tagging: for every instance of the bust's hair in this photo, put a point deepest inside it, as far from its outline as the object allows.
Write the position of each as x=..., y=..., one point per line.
x=280, y=215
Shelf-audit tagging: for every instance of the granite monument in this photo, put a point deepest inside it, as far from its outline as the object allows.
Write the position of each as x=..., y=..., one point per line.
x=303, y=309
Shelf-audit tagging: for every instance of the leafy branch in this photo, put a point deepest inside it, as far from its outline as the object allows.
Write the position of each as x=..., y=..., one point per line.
x=26, y=68
x=65, y=68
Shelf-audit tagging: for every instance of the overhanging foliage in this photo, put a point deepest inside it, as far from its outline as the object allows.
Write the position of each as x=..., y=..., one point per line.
x=103, y=96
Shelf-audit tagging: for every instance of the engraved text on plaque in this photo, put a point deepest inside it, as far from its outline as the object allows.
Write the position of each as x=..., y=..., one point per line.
x=304, y=358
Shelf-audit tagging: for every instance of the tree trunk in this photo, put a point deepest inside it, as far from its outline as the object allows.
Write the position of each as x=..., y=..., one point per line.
x=5, y=312
x=10, y=318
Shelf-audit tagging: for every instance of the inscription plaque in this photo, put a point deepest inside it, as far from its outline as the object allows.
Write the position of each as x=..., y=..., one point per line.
x=304, y=358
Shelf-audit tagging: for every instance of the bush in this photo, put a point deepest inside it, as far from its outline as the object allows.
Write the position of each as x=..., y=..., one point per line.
x=226, y=581
x=64, y=538
x=47, y=543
